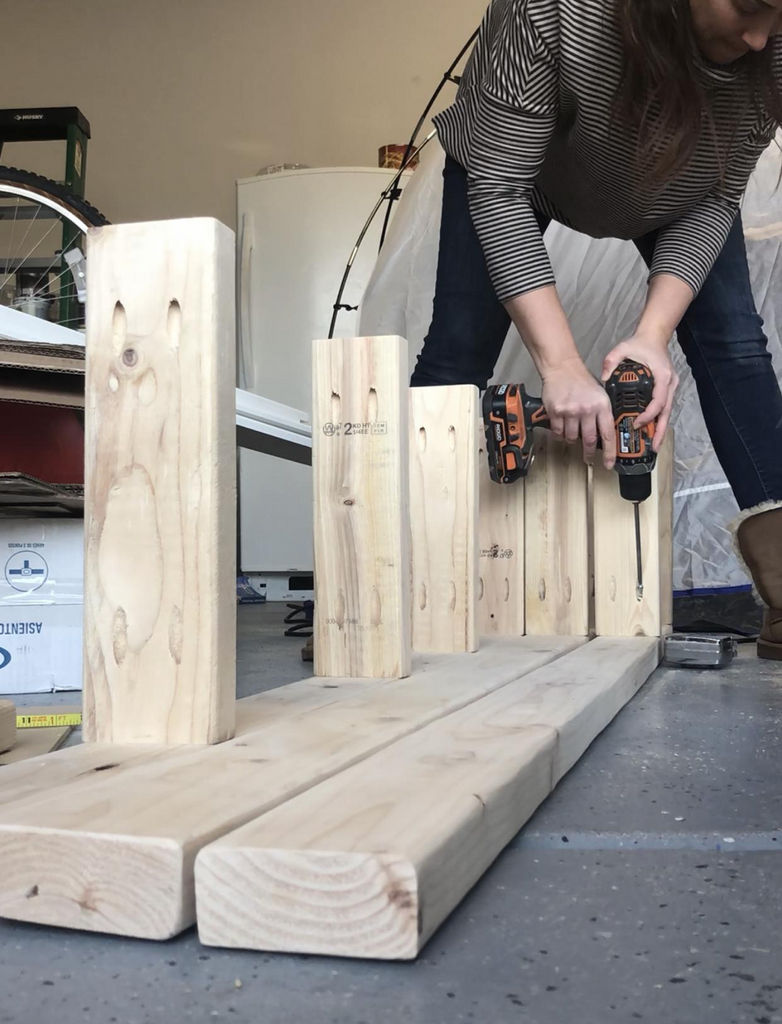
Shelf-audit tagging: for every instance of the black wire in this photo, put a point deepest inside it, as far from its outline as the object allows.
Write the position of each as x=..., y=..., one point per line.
x=392, y=193
x=447, y=77
x=338, y=305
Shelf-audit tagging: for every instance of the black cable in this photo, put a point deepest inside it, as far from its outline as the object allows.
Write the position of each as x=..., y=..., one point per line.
x=338, y=305
x=392, y=193
x=447, y=77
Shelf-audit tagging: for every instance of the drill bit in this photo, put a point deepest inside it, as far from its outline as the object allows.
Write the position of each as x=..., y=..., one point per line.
x=639, y=589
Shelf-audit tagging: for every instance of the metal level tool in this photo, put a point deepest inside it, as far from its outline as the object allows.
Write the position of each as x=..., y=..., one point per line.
x=684, y=650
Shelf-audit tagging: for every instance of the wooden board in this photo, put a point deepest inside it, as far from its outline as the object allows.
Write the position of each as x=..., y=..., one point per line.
x=7, y=725
x=371, y=862
x=501, y=549
x=160, y=487
x=261, y=711
x=618, y=612
x=33, y=743
x=360, y=482
x=444, y=518
x=556, y=540
x=115, y=854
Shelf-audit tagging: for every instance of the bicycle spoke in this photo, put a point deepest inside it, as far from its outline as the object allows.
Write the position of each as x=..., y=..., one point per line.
x=13, y=231
x=40, y=241
x=57, y=257
x=21, y=244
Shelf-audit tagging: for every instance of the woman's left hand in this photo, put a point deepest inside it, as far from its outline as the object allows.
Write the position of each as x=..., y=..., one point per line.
x=652, y=351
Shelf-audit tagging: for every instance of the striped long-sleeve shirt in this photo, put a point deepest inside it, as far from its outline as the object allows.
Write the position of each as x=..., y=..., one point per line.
x=533, y=124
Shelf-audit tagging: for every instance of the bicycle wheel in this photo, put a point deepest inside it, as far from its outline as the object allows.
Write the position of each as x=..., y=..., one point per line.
x=42, y=227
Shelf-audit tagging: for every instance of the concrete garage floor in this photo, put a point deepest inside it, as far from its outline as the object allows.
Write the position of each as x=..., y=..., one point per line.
x=647, y=888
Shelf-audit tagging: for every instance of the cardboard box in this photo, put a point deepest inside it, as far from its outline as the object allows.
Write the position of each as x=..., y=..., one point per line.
x=41, y=605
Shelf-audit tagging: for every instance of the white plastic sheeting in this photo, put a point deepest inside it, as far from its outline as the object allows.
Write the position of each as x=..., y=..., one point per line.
x=602, y=283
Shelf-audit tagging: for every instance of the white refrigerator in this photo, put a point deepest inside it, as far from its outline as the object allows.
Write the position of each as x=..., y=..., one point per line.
x=296, y=231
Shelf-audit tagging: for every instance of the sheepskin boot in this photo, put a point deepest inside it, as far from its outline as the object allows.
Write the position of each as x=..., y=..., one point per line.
x=759, y=540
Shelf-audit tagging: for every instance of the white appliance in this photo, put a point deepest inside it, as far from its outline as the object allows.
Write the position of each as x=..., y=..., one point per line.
x=296, y=230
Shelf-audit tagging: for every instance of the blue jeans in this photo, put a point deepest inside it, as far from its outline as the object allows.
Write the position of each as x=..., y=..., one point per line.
x=721, y=336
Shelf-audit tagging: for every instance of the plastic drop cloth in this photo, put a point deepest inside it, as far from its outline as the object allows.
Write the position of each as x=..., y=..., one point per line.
x=602, y=284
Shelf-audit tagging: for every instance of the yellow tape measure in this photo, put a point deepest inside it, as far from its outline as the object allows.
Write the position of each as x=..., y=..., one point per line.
x=48, y=721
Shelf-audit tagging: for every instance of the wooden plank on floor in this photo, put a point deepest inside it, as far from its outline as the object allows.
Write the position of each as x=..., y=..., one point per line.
x=501, y=549
x=84, y=761
x=444, y=518
x=360, y=483
x=116, y=854
x=7, y=725
x=33, y=743
x=618, y=612
x=556, y=540
x=160, y=488
x=371, y=862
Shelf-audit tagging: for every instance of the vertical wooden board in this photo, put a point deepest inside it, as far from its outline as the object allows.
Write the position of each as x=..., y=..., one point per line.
x=361, y=481
x=160, y=490
x=618, y=612
x=556, y=540
x=501, y=552
x=444, y=518
x=7, y=725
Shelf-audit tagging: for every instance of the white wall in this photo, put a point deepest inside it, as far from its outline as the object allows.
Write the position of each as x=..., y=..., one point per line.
x=186, y=96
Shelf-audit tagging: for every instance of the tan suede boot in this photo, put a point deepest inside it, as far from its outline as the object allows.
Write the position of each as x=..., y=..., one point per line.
x=759, y=540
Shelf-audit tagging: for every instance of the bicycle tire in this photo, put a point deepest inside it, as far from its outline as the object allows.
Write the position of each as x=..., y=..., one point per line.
x=54, y=190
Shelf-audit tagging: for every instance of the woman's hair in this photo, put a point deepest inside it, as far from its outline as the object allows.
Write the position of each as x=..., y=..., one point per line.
x=661, y=92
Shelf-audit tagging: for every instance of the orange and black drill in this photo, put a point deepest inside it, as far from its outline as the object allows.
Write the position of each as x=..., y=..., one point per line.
x=511, y=415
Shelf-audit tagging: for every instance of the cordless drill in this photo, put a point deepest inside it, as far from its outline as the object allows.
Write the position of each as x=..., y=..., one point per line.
x=511, y=415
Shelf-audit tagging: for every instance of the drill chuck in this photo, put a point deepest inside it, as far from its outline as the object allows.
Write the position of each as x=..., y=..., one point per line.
x=635, y=488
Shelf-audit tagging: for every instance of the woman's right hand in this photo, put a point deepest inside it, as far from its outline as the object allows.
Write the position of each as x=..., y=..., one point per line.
x=578, y=405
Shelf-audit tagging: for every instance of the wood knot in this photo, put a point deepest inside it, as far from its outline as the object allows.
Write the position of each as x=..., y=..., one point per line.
x=130, y=357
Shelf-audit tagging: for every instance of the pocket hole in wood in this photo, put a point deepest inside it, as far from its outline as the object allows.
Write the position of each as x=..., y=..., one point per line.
x=372, y=406
x=119, y=327
x=174, y=326
x=422, y=439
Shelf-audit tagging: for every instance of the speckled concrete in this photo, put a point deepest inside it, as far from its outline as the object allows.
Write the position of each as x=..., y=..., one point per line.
x=648, y=888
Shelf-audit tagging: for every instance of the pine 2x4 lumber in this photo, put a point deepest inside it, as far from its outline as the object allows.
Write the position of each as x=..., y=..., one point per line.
x=87, y=760
x=115, y=854
x=371, y=862
x=160, y=488
x=501, y=552
x=557, y=584
x=444, y=518
x=361, y=489
x=618, y=610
